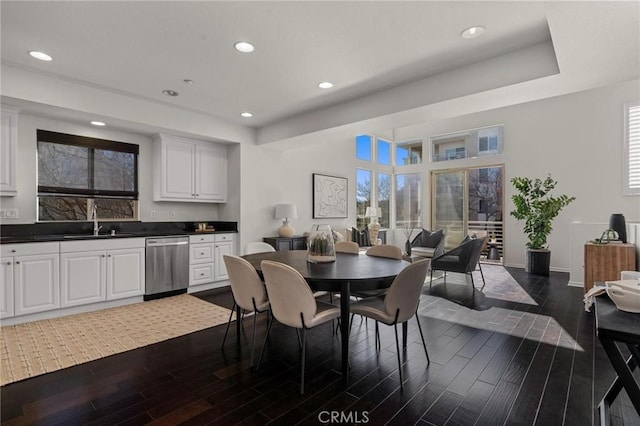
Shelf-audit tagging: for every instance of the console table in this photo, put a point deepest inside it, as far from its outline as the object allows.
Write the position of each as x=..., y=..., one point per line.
x=617, y=327
x=604, y=262
x=298, y=242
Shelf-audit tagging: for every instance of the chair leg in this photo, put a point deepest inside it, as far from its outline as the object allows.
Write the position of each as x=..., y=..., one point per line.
x=253, y=339
x=229, y=323
x=304, y=347
x=431, y=280
x=266, y=339
x=422, y=337
x=445, y=277
x=299, y=341
x=473, y=285
x=377, y=337
x=482, y=275
x=395, y=329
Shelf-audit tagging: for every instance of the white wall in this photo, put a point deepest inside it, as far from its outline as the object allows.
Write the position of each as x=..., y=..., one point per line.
x=27, y=160
x=577, y=138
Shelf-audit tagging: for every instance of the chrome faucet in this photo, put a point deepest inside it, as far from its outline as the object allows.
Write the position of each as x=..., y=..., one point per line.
x=94, y=217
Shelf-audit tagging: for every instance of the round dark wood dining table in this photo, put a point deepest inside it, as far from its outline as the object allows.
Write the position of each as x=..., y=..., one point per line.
x=349, y=272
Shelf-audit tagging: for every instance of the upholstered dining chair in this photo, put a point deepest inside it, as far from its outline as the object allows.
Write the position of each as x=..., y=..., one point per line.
x=258, y=247
x=399, y=304
x=248, y=293
x=293, y=304
x=385, y=250
x=462, y=259
x=347, y=247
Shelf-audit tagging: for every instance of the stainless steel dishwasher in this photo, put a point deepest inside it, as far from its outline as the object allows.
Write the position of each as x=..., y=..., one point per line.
x=167, y=266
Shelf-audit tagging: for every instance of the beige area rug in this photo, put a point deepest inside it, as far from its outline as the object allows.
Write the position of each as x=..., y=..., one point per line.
x=39, y=347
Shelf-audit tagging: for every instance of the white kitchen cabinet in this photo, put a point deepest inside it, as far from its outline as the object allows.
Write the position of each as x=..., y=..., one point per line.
x=95, y=271
x=201, y=259
x=6, y=287
x=36, y=276
x=8, y=151
x=189, y=170
x=125, y=273
x=223, y=246
x=82, y=278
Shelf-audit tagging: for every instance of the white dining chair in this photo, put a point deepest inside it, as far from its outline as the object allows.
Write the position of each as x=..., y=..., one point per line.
x=293, y=304
x=399, y=304
x=258, y=247
x=248, y=293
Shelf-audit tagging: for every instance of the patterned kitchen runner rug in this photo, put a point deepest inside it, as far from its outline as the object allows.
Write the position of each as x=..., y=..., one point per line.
x=38, y=347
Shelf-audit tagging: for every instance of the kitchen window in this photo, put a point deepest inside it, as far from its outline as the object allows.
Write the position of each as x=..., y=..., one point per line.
x=76, y=173
x=632, y=150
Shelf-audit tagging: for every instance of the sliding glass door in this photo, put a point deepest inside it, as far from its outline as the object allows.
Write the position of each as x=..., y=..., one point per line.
x=468, y=200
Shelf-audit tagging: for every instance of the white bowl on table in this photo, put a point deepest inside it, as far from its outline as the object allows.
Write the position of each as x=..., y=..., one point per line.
x=625, y=294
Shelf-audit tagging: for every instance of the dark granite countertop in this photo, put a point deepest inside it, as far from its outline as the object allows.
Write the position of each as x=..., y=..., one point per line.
x=11, y=234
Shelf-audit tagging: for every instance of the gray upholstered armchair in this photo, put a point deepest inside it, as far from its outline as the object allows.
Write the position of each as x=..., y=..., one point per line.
x=462, y=259
x=428, y=244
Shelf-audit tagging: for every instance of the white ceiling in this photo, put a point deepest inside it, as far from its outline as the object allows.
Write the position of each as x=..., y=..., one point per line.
x=408, y=52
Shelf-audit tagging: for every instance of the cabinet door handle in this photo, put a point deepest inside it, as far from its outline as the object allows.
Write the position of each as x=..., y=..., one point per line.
x=8, y=263
x=108, y=255
x=201, y=254
x=103, y=255
x=17, y=262
x=13, y=250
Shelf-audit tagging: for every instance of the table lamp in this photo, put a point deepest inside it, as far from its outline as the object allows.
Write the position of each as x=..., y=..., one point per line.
x=285, y=212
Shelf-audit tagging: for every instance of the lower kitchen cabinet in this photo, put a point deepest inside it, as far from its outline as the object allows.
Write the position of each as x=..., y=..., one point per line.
x=223, y=246
x=206, y=262
x=30, y=272
x=6, y=287
x=82, y=278
x=89, y=275
x=125, y=273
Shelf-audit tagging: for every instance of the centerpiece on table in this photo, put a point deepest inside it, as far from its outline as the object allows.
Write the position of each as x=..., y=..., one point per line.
x=321, y=246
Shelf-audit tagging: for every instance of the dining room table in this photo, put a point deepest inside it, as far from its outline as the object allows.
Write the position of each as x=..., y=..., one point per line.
x=349, y=272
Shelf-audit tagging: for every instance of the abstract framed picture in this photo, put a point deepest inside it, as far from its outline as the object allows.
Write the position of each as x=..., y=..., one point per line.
x=329, y=196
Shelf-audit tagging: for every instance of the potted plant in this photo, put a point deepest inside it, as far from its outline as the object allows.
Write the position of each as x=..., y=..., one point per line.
x=537, y=207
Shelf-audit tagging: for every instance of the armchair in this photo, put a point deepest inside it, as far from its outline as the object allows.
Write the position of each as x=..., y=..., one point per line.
x=428, y=244
x=462, y=259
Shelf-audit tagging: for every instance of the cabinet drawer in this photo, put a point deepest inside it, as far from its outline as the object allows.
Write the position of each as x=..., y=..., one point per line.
x=223, y=237
x=201, y=274
x=201, y=253
x=9, y=250
x=194, y=239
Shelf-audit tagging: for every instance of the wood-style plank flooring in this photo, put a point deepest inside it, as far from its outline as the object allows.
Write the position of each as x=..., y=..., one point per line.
x=494, y=361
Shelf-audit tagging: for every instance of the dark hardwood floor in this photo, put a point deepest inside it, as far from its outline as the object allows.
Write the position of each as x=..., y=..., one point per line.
x=512, y=360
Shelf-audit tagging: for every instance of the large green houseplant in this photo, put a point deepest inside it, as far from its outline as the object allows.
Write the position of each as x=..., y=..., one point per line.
x=537, y=207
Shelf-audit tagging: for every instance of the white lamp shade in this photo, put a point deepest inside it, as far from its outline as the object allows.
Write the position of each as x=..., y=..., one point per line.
x=286, y=211
x=371, y=212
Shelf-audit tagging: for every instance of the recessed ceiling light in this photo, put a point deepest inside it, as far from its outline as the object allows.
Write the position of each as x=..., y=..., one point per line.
x=40, y=55
x=170, y=92
x=325, y=85
x=473, y=32
x=244, y=47
x=246, y=114
x=98, y=123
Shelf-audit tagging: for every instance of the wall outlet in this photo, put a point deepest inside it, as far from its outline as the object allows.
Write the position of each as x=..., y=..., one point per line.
x=154, y=214
x=12, y=213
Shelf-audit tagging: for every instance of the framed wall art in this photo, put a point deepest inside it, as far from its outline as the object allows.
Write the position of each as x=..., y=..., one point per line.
x=329, y=196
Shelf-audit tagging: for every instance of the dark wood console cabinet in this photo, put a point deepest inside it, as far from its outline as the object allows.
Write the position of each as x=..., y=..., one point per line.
x=287, y=243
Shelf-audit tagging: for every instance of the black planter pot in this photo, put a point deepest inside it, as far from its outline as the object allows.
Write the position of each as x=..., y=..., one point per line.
x=407, y=247
x=538, y=262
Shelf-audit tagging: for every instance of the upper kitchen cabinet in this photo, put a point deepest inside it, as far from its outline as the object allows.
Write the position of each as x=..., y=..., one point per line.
x=189, y=170
x=8, y=149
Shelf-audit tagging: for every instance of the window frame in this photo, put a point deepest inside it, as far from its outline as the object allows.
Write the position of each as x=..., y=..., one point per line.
x=629, y=145
x=91, y=194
